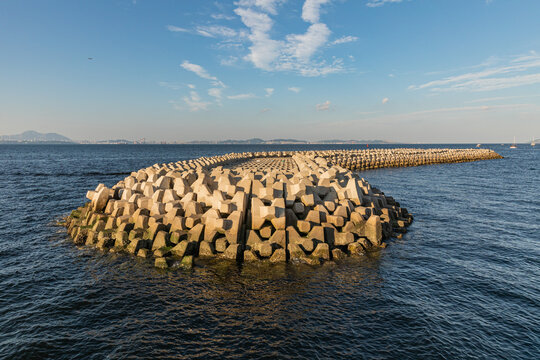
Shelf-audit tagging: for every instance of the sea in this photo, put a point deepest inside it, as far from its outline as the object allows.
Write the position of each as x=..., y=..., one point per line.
x=463, y=283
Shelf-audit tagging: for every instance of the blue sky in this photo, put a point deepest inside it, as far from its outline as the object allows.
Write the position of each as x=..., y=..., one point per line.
x=398, y=70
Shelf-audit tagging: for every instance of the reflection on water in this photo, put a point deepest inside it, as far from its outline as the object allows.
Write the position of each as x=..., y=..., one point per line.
x=463, y=283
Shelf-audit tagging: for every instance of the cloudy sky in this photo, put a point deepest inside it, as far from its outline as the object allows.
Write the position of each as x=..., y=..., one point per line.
x=398, y=70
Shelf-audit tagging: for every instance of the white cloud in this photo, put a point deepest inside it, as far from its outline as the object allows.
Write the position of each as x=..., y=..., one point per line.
x=173, y=28
x=295, y=89
x=311, y=10
x=344, y=40
x=299, y=53
x=241, y=96
x=265, y=110
x=215, y=92
x=191, y=86
x=229, y=61
x=322, y=68
x=201, y=72
x=221, y=17
x=303, y=46
x=216, y=31
x=324, y=106
x=377, y=3
x=295, y=53
x=195, y=103
x=268, y=6
x=501, y=98
x=519, y=71
x=385, y=100
x=263, y=50
x=269, y=92
x=197, y=69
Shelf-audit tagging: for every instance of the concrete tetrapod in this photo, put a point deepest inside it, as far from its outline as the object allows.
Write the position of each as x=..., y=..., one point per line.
x=298, y=207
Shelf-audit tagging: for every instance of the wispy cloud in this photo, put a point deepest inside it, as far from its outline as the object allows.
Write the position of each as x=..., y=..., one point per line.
x=500, y=98
x=172, y=86
x=176, y=105
x=324, y=106
x=460, y=109
x=221, y=17
x=201, y=72
x=241, y=96
x=215, y=31
x=517, y=71
x=269, y=6
x=344, y=40
x=385, y=100
x=269, y=92
x=217, y=94
x=434, y=114
x=265, y=110
x=377, y=3
x=173, y=28
x=295, y=89
x=197, y=69
x=229, y=61
x=194, y=102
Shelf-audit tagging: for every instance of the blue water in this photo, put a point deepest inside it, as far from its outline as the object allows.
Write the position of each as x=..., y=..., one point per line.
x=464, y=282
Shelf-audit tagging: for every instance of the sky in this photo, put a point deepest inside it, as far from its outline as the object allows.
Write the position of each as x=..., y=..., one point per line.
x=417, y=71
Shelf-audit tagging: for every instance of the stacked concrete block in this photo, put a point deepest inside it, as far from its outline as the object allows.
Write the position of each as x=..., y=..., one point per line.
x=298, y=207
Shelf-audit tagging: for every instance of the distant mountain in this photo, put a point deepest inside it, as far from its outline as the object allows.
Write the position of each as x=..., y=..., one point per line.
x=35, y=137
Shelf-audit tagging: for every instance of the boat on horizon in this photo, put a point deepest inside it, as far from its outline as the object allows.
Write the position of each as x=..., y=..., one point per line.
x=532, y=142
x=513, y=146
x=478, y=145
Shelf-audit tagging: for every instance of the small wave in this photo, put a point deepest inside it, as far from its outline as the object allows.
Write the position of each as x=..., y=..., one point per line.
x=73, y=174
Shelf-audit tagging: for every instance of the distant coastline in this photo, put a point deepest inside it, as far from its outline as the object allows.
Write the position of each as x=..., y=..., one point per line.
x=34, y=137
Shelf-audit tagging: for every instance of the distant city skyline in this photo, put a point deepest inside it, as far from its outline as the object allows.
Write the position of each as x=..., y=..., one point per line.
x=412, y=71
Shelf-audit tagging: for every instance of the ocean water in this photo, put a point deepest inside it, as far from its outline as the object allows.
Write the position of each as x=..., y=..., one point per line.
x=464, y=282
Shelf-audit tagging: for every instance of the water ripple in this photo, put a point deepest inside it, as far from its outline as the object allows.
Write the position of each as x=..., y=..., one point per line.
x=463, y=283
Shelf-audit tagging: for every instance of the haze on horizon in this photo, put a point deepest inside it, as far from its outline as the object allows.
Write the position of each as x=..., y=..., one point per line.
x=397, y=70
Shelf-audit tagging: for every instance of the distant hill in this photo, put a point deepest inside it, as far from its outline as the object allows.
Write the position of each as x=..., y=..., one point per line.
x=256, y=141
x=35, y=137
x=335, y=141
x=248, y=141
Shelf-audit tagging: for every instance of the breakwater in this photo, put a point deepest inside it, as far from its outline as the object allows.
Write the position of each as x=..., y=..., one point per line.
x=300, y=207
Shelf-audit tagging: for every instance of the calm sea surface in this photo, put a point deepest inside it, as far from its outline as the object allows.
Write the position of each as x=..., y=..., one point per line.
x=464, y=282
